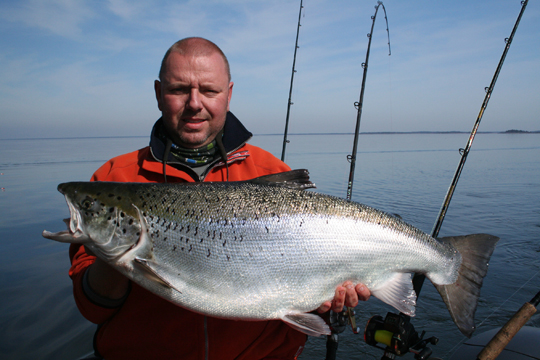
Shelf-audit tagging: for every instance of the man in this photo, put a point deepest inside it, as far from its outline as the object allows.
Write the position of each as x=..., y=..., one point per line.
x=196, y=139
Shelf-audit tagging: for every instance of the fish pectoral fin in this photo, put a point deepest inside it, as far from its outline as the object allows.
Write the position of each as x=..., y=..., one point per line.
x=398, y=291
x=307, y=323
x=151, y=272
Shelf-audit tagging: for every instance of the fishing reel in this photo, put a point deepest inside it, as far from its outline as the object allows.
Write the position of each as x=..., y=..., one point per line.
x=399, y=336
x=395, y=331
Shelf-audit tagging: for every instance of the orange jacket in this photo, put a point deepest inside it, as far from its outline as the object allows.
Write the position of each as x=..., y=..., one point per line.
x=146, y=326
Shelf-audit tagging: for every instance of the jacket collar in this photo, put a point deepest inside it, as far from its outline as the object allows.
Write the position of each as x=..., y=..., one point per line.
x=234, y=136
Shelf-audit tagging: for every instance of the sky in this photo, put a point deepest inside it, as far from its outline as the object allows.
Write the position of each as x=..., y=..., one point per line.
x=79, y=68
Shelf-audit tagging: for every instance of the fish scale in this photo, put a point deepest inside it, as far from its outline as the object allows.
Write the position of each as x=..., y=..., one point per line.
x=263, y=249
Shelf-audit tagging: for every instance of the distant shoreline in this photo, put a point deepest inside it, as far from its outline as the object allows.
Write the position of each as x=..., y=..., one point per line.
x=512, y=131
x=414, y=132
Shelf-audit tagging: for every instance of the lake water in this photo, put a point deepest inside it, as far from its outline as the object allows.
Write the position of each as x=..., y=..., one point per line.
x=407, y=174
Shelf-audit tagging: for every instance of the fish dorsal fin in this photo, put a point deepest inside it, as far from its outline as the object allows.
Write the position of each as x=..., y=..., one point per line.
x=307, y=323
x=294, y=179
x=398, y=291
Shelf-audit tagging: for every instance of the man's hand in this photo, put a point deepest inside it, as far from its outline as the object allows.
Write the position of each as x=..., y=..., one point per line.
x=347, y=295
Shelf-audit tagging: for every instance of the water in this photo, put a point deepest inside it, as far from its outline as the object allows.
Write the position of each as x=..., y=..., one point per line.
x=407, y=174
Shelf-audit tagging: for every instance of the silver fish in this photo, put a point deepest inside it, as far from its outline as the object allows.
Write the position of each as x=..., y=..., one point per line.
x=263, y=249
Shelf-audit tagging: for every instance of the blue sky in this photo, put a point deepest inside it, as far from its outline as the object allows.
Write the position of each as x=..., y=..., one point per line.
x=86, y=68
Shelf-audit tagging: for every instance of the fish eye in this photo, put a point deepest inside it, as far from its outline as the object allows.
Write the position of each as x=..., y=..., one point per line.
x=87, y=203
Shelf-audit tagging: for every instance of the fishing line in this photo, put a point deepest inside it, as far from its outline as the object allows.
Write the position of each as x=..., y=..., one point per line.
x=451, y=351
x=511, y=296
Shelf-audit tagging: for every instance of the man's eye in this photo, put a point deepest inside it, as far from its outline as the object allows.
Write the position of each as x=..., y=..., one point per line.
x=181, y=90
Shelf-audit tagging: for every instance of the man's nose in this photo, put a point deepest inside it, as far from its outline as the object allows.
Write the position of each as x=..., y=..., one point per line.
x=194, y=101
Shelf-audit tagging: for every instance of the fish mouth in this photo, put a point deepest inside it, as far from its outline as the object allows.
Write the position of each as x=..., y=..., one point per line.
x=74, y=233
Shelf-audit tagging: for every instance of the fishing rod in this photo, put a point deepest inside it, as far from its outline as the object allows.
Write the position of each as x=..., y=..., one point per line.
x=358, y=105
x=338, y=321
x=289, y=103
x=418, y=279
x=497, y=344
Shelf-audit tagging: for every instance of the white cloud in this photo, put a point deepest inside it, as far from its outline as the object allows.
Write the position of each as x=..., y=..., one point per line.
x=61, y=17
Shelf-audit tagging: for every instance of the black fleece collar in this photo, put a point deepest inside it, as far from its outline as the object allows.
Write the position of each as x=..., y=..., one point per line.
x=234, y=136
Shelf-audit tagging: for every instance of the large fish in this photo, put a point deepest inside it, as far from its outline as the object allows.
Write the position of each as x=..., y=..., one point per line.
x=264, y=249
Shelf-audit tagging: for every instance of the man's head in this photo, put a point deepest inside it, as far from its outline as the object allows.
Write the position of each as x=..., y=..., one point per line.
x=193, y=91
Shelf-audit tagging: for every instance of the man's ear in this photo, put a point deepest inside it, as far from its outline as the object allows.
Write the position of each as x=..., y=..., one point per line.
x=230, y=95
x=157, y=89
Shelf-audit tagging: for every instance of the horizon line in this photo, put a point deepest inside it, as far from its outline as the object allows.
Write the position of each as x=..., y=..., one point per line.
x=512, y=131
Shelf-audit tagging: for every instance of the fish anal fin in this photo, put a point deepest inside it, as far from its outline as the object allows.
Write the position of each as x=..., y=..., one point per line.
x=461, y=297
x=151, y=272
x=398, y=292
x=307, y=323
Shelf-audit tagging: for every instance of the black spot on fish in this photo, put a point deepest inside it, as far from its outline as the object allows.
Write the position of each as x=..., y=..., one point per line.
x=228, y=258
x=111, y=210
x=138, y=233
x=109, y=218
x=174, y=248
x=190, y=248
x=130, y=222
x=225, y=242
x=202, y=240
x=208, y=253
x=268, y=230
x=165, y=238
x=122, y=214
x=124, y=230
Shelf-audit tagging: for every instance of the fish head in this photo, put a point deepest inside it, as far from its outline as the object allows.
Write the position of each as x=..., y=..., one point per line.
x=102, y=218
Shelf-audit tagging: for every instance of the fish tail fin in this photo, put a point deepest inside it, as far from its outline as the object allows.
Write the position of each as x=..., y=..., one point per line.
x=294, y=179
x=461, y=297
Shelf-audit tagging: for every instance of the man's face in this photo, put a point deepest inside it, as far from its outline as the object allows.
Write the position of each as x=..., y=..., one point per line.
x=193, y=96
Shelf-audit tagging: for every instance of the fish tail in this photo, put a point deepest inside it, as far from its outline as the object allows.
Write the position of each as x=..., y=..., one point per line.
x=461, y=297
